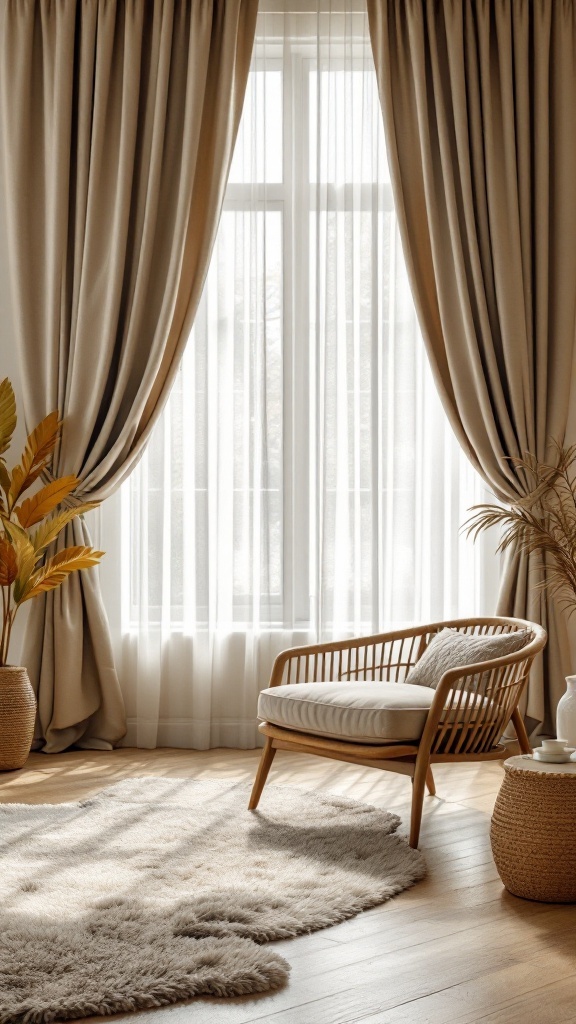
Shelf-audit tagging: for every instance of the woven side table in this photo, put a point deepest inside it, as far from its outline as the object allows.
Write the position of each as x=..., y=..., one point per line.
x=533, y=830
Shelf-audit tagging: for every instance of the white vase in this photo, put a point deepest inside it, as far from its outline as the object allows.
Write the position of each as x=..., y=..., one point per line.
x=566, y=713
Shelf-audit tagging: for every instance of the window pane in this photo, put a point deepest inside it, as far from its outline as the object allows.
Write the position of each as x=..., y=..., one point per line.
x=346, y=134
x=259, y=147
x=210, y=484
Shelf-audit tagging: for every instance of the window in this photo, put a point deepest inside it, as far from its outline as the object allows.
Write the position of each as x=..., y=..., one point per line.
x=303, y=475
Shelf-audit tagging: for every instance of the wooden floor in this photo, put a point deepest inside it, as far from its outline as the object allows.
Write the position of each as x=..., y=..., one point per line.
x=455, y=948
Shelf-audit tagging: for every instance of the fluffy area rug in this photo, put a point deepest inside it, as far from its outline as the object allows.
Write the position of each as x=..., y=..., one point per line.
x=156, y=890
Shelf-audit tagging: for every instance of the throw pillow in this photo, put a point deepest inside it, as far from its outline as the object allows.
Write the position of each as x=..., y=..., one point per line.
x=451, y=649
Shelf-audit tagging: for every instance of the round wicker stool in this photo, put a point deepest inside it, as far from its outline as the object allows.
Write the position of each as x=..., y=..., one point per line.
x=533, y=830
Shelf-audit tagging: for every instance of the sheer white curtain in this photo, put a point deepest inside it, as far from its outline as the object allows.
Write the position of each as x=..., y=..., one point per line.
x=303, y=482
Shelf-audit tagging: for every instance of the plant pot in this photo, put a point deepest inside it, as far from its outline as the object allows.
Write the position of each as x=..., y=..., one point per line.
x=566, y=713
x=17, y=717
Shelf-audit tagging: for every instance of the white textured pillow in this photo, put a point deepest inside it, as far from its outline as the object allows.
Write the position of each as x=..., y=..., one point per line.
x=451, y=649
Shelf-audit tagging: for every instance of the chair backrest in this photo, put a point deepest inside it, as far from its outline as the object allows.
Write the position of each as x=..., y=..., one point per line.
x=480, y=699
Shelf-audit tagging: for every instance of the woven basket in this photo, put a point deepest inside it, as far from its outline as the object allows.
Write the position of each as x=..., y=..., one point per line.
x=533, y=835
x=17, y=716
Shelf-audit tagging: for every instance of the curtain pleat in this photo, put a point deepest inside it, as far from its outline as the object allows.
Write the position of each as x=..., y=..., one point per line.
x=118, y=125
x=477, y=97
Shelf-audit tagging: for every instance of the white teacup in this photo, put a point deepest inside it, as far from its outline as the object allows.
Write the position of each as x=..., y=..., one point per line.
x=554, y=745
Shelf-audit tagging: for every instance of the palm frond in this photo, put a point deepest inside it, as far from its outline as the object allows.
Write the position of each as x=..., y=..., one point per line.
x=51, y=527
x=40, y=446
x=8, y=563
x=33, y=510
x=7, y=414
x=57, y=568
x=543, y=520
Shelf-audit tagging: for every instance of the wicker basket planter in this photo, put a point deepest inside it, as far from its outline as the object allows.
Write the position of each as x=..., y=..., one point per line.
x=533, y=830
x=17, y=716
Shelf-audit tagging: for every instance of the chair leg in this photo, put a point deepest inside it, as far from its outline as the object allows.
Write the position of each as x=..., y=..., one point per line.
x=518, y=723
x=268, y=755
x=430, y=784
x=418, y=786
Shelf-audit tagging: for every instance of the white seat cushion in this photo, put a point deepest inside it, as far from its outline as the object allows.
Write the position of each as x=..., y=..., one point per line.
x=357, y=712
x=360, y=712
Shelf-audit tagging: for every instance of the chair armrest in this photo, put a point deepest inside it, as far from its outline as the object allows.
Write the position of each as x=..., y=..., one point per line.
x=381, y=656
x=473, y=705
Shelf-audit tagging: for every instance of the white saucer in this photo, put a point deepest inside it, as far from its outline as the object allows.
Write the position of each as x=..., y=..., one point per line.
x=553, y=756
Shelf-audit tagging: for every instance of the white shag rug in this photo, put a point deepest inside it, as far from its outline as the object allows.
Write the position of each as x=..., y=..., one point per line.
x=156, y=890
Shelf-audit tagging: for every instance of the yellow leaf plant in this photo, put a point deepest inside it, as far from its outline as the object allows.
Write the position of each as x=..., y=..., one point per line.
x=30, y=525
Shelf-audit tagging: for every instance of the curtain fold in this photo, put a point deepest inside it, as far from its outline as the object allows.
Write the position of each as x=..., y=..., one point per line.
x=477, y=98
x=118, y=124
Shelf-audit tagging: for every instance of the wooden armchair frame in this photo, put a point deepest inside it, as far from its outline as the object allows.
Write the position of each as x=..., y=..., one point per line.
x=471, y=707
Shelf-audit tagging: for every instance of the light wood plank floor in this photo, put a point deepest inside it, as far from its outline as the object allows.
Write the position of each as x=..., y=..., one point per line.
x=455, y=948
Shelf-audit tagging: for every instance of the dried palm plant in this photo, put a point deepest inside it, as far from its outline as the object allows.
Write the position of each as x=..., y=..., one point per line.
x=29, y=526
x=544, y=520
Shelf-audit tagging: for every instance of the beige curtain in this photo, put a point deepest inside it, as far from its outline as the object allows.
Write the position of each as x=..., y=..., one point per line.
x=479, y=103
x=118, y=124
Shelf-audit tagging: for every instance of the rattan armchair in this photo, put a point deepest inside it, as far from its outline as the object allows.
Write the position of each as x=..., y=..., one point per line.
x=469, y=712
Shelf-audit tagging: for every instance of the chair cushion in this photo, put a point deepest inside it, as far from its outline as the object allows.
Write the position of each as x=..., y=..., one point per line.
x=451, y=649
x=357, y=712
